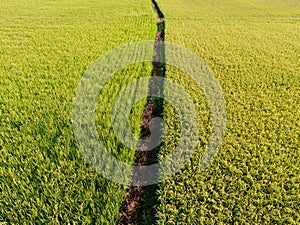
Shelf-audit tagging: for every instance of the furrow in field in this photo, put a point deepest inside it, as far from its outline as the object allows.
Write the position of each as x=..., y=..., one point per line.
x=136, y=205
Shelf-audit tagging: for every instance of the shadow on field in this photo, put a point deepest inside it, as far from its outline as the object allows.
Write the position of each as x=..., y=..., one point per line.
x=140, y=201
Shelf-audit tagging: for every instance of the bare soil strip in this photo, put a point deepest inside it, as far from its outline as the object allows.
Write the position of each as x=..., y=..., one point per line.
x=139, y=201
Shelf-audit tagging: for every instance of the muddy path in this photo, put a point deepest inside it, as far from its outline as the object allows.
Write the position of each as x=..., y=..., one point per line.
x=140, y=201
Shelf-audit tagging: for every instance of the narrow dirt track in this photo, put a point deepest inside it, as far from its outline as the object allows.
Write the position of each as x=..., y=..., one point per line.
x=139, y=201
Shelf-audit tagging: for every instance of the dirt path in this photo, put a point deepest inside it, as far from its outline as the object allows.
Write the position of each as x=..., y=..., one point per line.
x=139, y=201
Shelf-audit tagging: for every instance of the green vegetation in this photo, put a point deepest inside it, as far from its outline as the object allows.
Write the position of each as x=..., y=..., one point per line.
x=253, y=49
x=45, y=46
x=252, y=46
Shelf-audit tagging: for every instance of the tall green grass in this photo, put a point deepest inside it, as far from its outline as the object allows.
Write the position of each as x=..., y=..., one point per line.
x=253, y=49
x=45, y=46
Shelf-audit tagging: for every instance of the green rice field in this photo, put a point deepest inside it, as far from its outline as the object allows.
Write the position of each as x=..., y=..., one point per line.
x=251, y=46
